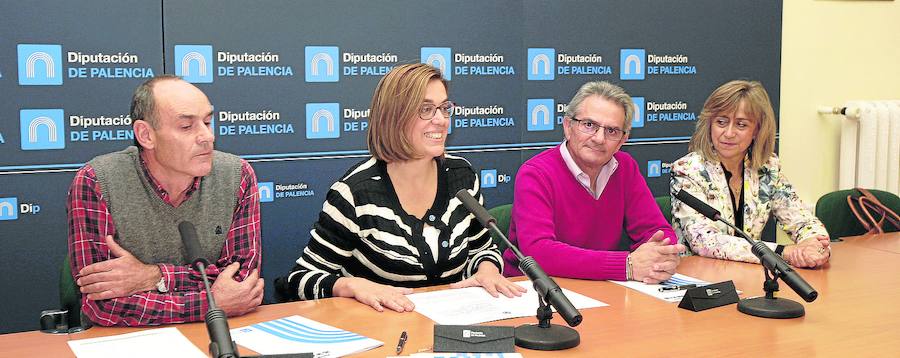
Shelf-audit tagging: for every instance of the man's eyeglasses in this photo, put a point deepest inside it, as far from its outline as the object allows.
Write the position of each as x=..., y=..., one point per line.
x=587, y=127
x=427, y=111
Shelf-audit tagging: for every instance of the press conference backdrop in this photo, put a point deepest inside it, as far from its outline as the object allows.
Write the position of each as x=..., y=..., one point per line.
x=291, y=83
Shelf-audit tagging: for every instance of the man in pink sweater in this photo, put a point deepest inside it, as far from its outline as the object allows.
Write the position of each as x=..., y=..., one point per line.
x=572, y=202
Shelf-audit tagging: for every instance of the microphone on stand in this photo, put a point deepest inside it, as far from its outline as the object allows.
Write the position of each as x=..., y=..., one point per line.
x=220, y=343
x=544, y=336
x=768, y=306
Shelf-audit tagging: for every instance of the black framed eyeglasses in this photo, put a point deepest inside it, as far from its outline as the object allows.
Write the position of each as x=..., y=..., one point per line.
x=427, y=111
x=588, y=127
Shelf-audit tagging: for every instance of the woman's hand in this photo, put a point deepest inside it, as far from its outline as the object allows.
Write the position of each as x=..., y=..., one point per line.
x=489, y=277
x=374, y=294
x=809, y=253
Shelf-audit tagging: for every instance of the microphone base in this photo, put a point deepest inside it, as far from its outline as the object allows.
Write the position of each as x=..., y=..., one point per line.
x=770, y=307
x=553, y=338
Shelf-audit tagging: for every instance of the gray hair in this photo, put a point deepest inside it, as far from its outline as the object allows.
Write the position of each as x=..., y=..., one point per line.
x=142, y=104
x=608, y=91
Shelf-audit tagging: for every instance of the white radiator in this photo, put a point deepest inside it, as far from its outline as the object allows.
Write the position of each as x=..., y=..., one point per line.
x=870, y=145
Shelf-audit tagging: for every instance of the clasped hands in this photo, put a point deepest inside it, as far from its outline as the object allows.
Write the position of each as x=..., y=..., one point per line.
x=655, y=260
x=380, y=296
x=808, y=253
x=124, y=275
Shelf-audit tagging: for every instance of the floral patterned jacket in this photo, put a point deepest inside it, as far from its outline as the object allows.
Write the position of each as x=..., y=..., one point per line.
x=765, y=191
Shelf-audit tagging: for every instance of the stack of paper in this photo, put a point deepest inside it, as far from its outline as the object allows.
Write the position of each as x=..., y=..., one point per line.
x=462, y=355
x=151, y=343
x=668, y=296
x=296, y=334
x=473, y=305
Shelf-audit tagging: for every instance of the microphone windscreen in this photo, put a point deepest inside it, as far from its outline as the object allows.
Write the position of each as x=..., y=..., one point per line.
x=698, y=205
x=475, y=208
x=189, y=239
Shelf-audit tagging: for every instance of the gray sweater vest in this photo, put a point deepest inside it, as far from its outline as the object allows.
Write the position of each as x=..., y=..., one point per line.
x=148, y=227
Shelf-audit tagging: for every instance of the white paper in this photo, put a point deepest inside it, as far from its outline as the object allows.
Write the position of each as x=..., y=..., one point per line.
x=473, y=305
x=668, y=296
x=151, y=343
x=296, y=334
x=462, y=355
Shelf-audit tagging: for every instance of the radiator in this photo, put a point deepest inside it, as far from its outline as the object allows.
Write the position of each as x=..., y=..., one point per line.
x=870, y=145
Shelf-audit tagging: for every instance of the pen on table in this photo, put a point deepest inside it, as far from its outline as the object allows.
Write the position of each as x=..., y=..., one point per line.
x=401, y=342
x=676, y=287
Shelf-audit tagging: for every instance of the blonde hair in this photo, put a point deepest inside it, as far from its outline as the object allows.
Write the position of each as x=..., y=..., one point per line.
x=395, y=104
x=727, y=98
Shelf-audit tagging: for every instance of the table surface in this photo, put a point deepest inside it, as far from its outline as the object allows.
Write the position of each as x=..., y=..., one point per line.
x=854, y=315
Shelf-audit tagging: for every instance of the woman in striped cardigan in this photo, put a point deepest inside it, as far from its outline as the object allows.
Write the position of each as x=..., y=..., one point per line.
x=392, y=223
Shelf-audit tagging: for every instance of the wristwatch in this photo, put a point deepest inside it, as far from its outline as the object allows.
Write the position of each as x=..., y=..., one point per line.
x=161, y=285
x=779, y=250
x=628, y=274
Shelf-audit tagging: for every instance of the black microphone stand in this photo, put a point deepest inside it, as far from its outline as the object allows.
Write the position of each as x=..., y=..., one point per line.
x=220, y=343
x=767, y=306
x=543, y=336
x=774, y=267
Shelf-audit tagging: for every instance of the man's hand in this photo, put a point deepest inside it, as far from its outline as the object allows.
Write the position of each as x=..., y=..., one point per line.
x=237, y=298
x=374, y=294
x=121, y=276
x=655, y=261
x=489, y=277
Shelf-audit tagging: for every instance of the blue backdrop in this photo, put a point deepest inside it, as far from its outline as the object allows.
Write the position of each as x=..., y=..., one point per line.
x=291, y=83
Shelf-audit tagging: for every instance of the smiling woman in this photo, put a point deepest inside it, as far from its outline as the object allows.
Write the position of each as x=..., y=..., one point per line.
x=391, y=222
x=732, y=167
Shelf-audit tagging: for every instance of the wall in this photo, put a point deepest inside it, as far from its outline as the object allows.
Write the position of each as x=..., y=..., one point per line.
x=832, y=52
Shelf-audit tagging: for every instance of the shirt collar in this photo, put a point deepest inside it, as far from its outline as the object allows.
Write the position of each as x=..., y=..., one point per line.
x=157, y=186
x=602, y=179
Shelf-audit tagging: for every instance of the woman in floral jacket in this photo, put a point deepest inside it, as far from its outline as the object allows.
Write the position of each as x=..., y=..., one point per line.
x=732, y=167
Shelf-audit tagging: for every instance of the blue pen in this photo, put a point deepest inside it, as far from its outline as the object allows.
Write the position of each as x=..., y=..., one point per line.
x=676, y=287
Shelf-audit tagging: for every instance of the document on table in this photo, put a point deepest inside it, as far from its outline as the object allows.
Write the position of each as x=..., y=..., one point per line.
x=151, y=343
x=296, y=334
x=668, y=296
x=462, y=355
x=474, y=305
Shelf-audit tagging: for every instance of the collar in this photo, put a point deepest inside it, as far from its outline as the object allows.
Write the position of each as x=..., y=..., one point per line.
x=157, y=186
x=606, y=172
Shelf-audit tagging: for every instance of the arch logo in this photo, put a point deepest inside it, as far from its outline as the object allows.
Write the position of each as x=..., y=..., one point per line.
x=40, y=65
x=42, y=129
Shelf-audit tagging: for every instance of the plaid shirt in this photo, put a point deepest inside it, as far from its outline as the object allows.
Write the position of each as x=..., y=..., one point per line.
x=90, y=222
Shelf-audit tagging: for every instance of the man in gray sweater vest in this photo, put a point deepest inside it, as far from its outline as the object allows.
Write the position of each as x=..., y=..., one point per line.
x=124, y=208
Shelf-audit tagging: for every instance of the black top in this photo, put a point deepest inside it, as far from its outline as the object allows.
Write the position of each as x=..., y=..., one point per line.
x=739, y=206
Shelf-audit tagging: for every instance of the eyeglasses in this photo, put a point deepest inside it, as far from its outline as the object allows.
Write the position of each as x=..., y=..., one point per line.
x=587, y=127
x=427, y=111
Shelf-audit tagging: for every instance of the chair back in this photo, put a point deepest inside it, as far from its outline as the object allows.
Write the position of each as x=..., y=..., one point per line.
x=502, y=213
x=834, y=212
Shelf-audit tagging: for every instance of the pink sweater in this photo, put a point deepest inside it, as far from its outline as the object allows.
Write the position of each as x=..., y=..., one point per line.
x=556, y=221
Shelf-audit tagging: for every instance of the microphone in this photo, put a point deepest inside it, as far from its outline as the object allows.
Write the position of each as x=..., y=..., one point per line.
x=767, y=306
x=191, y=244
x=767, y=257
x=544, y=336
x=696, y=204
x=220, y=343
x=486, y=220
x=545, y=285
